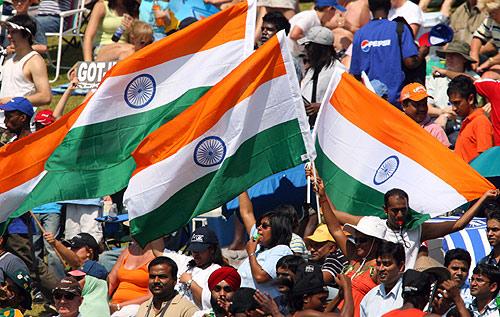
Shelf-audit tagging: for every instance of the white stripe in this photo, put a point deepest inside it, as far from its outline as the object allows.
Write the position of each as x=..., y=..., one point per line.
x=468, y=244
x=153, y=186
x=13, y=198
x=173, y=78
x=360, y=155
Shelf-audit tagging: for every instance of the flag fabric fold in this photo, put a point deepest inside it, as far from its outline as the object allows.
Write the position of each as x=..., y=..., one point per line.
x=366, y=147
x=87, y=153
x=252, y=124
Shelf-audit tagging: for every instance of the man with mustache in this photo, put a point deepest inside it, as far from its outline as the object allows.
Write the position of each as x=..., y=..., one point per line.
x=165, y=301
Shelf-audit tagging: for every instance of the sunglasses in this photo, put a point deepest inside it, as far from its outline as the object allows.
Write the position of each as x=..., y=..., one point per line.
x=66, y=296
x=227, y=288
x=264, y=225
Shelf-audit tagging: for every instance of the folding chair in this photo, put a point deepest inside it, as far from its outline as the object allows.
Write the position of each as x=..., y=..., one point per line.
x=76, y=17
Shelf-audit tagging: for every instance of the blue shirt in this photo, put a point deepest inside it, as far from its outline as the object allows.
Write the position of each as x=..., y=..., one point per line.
x=376, y=50
x=378, y=301
x=50, y=208
x=146, y=14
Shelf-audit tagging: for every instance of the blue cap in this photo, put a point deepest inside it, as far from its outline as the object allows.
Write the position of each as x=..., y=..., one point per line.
x=20, y=104
x=91, y=268
x=330, y=3
x=201, y=239
x=439, y=35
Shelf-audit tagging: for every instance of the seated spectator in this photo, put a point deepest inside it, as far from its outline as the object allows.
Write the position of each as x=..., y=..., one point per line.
x=15, y=292
x=24, y=73
x=18, y=112
x=458, y=61
x=489, y=89
x=270, y=237
x=128, y=280
x=386, y=296
x=465, y=20
x=165, y=300
x=161, y=22
x=140, y=35
x=489, y=30
x=48, y=14
x=324, y=252
x=286, y=270
x=373, y=51
x=458, y=262
x=68, y=298
x=105, y=18
x=409, y=11
x=476, y=133
x=414, y=102
x=301, y=23
x=39, y=40
x=222, y=283
x=484, y=286
x=94, y=290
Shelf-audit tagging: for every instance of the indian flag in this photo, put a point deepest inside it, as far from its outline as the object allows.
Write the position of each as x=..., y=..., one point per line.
x=249, y=126
x=88, y=153
x=366, y=147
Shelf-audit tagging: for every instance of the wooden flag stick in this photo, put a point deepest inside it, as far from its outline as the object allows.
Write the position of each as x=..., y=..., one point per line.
x=43, y=232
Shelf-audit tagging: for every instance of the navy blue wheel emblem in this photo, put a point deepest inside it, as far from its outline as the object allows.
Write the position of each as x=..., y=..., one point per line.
x=140, y=91
x=386, y=170
x=210, y=151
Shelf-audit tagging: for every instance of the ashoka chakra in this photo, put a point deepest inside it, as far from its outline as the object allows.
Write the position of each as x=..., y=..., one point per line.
x=386, y=170
x=140, y=91
x=210, y=151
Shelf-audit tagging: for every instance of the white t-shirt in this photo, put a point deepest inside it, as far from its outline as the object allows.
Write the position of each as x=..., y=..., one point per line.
x=410, y=11
x=305, y=20
x=410, y=239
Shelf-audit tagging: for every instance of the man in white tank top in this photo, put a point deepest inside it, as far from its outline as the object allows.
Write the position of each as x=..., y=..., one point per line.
x=24, y=73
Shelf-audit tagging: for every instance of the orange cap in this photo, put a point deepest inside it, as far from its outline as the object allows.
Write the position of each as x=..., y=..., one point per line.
x=413, y=91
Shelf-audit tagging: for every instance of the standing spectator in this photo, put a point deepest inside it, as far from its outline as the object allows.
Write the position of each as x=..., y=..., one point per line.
x=484, y=286
x=165, y=301
x=409, y=11
x=273, y=22
x=465, y=20
x=269, y=241
x=489, y=30
x=476, y=132
x=15, y=293
x=414, y=102
x=458, y=262
x=490, y=89
x=386, y=296
x=68, y=298
x=493, y=235
x=377, y=52
x=301, y=23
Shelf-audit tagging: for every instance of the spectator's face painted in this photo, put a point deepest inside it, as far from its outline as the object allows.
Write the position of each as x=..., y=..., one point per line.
x=320, y=250
x=316, y=301
x=67, y=304
x=493, y=232
x=458, y=270
x=455, y=62
x=285, y=279
x=388, y=270
x=397, y=211
x=161, y=281
x=203, y=258
x=417, y=110
x=461, y=105
x=14, y=121
x=363, y=244
x=267, y=30
x=481, y=287
x=265, y=231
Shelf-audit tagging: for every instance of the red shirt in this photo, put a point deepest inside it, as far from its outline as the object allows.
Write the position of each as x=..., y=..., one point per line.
x=412, y=312
x=490, y=89
x=475, y=137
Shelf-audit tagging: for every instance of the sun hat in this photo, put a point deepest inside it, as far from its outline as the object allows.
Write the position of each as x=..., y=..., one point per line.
x=434, y=268
x=321, y=234
x=367, y=227
x=457, y=47
x=318, y=35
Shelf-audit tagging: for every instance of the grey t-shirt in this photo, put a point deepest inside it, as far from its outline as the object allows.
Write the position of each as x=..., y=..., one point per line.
x=10, y=263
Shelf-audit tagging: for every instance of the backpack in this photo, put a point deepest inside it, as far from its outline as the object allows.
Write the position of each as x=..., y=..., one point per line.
x=416, y=75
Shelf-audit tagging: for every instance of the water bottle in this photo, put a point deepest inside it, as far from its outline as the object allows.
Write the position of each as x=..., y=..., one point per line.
x=118, y=33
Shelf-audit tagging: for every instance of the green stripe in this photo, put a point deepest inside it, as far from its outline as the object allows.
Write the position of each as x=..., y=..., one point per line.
x=352, y=196
x=95, y=160
x=267, y=153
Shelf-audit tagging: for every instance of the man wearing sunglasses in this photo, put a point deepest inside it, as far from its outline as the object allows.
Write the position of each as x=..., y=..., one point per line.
x=68, y=297
x=222, y=283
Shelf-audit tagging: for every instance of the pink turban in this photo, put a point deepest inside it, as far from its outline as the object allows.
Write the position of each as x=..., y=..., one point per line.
x=225, y=273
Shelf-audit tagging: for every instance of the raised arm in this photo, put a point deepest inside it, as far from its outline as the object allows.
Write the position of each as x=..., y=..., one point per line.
x=437, y=230
x=68, y=256
x=61, y=104
x=246, y=211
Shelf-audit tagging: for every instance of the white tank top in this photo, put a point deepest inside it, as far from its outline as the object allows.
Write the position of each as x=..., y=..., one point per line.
x=14, y=83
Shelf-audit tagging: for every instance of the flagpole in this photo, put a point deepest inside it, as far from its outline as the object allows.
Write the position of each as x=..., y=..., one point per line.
x=317, y=197
x=42, y=230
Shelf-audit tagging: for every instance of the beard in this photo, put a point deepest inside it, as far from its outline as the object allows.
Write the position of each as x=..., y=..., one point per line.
x=219, y=311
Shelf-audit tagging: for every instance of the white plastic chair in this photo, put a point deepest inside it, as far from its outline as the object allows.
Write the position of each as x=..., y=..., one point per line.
x=72, y=32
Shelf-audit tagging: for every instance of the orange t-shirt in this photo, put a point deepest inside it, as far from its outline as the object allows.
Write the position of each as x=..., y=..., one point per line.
x=475, y=137
x=412, y=312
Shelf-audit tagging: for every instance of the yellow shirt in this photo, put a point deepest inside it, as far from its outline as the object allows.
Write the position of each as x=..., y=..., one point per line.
x=110, y=23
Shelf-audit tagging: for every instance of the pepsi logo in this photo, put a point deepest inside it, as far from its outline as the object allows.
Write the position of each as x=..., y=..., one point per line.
x=365, y=46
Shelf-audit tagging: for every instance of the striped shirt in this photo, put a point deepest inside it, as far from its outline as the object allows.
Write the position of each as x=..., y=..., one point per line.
x=334, y=263
x=297, y=244
x=489, y=30
x=54, y=7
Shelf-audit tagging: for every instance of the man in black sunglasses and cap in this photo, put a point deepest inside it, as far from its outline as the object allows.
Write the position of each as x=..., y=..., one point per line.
x=68, y=297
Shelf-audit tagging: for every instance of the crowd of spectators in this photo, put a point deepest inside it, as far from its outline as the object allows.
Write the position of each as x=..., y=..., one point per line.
x=344, y=265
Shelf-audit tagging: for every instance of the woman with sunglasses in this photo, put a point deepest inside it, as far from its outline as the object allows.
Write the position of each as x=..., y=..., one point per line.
x=360, y=248
x=269, y=241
